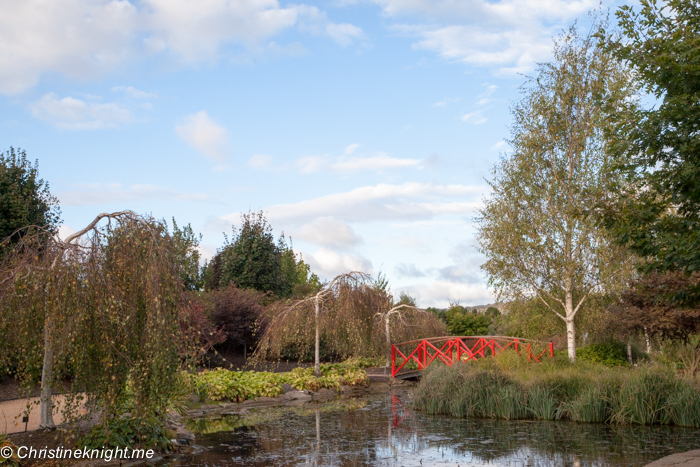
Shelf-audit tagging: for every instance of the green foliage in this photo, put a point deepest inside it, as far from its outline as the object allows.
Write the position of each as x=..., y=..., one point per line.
x=333, y=375
x=509, y=387
x=253, y=260
x=535, y=229
x=24, y=197
x=405, y=299
x=146, y=432
x=237, y=386
x=187, y=256
x=463, y=322
x=110, y=306
x=655, y=211
x=607, y=353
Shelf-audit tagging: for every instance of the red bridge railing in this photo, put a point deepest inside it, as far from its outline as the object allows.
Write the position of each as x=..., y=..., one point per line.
x=463, y=348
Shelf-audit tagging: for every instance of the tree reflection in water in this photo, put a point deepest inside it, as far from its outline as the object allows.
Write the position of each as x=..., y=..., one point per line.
x=382, y=430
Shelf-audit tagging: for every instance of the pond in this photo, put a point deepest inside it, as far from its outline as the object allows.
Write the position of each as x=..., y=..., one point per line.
x=382, y=430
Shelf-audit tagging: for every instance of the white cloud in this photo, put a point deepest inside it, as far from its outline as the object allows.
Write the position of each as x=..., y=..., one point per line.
x=459, y=274
x=382, y=202
x=85, y=38
x=71, y=37
x=134, y=93
x=76, y=114
x=328, y=263
x=414, y=244
x=484, y=97
x=329, y=232
x=196, y=31
x=474, y=117
x=444, y=102
x=344, y=34
x=260, y=162
x=498, y=146
x=65, y=230
x=510, y=35
x=205, y=135
x=346, y=163
x=111, y=193
x=440, y=293
x=408, y=270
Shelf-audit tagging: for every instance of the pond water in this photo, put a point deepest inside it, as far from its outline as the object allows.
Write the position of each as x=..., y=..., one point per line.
x=382, y=430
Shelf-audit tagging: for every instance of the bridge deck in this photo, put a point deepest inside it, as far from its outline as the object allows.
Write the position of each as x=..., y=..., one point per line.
x=415, y=374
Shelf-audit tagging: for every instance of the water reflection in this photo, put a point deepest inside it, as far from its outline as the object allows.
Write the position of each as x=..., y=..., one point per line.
x=382, y=430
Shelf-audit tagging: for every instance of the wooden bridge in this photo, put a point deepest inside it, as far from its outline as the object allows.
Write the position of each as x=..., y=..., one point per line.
x=414, y=356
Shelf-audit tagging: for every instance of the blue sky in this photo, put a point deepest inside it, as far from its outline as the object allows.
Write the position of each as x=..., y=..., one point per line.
x=365, y=129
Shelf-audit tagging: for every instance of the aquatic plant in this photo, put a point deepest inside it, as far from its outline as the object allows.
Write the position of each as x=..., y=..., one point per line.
x=504, y=387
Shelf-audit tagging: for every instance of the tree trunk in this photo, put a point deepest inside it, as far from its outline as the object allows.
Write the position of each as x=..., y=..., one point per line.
x=317, y=350
x=629, y=351
x=647, y=339
x=570, y=328
x=46, y=415
x=571, y=340
x=388, y=343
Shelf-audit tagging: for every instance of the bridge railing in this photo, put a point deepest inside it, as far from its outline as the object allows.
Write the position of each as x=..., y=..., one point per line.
x=450, y=349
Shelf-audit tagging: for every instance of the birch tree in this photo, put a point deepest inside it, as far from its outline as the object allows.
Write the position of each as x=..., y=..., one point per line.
x=536, y=229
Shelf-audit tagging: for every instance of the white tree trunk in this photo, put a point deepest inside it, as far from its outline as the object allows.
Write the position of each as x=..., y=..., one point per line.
x=388, y=343
x=571, y=339
x=648, y=340
x=46, y=415
x=629, y=351
x=570, y=328
x=317, y=350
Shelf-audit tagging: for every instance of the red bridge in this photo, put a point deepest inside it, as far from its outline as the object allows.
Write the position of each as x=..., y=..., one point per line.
x=421, y=353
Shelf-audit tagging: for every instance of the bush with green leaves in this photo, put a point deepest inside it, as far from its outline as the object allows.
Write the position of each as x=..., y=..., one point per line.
x=609, y=353
x=237, y=386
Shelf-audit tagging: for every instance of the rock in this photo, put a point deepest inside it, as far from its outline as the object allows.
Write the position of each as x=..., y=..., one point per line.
x=326, y=392
x=299, y=395
x=286, y=387
x=183, y=433
x=345, y=388
x=134, y=463
x=195, y=413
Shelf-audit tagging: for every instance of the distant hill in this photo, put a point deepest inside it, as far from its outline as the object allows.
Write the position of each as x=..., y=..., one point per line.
x=481, y=308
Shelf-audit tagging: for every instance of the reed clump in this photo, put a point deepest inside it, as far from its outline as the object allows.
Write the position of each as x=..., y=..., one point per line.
x=509, y=387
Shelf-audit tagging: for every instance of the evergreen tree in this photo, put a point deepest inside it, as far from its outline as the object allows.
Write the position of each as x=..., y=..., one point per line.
x=24, y=197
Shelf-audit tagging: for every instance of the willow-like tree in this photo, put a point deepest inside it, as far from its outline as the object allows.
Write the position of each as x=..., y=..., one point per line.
x=403, y=319
x=537, y=230
x=100, y=306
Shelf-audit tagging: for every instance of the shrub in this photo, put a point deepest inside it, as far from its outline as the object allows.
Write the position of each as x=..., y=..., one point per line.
x=125, y=430
x=237, y=386
x=608, y=353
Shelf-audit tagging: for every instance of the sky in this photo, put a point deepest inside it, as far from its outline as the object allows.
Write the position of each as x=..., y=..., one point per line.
x=365, y=129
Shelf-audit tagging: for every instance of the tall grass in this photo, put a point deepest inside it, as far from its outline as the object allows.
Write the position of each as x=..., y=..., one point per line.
x=508, y=387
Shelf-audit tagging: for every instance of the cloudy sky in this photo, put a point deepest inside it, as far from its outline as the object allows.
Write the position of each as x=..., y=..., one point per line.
x=366, y=129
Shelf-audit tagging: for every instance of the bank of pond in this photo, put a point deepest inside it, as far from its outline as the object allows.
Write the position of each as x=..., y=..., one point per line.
x=511, y=388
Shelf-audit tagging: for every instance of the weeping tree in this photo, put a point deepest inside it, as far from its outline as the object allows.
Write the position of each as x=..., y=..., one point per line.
x=408, y=322
x=341, y=318
x=537, y=229
x=100, y=307
x=336, y=314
